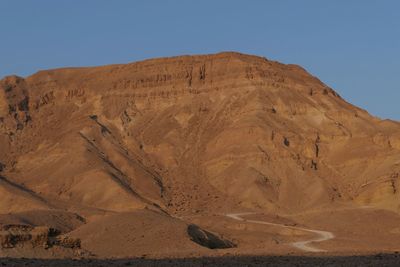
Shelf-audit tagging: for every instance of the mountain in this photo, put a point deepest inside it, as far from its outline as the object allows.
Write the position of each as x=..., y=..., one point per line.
x=179, y=142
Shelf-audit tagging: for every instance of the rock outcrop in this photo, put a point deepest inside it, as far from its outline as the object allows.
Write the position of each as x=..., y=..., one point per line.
x=12, y=236
x=207, y=239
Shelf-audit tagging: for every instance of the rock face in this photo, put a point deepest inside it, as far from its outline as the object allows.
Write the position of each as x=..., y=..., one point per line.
x=191, y=134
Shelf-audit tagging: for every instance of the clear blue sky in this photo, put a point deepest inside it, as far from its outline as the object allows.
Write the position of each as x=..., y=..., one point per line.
x=351, y=45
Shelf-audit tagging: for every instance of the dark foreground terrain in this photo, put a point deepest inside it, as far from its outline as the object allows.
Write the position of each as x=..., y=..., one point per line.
x=370, y=260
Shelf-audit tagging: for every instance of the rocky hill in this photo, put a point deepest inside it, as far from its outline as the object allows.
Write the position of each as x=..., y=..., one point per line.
x=187, y=136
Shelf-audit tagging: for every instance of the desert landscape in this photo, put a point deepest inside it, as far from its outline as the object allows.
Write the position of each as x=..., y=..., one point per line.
x=219, y=159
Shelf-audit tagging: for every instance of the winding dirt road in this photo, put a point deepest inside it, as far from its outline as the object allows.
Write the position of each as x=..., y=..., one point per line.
x=302, y=245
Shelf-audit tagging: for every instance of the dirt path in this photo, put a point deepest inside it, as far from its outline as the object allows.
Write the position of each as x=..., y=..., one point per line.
x=302, y=245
